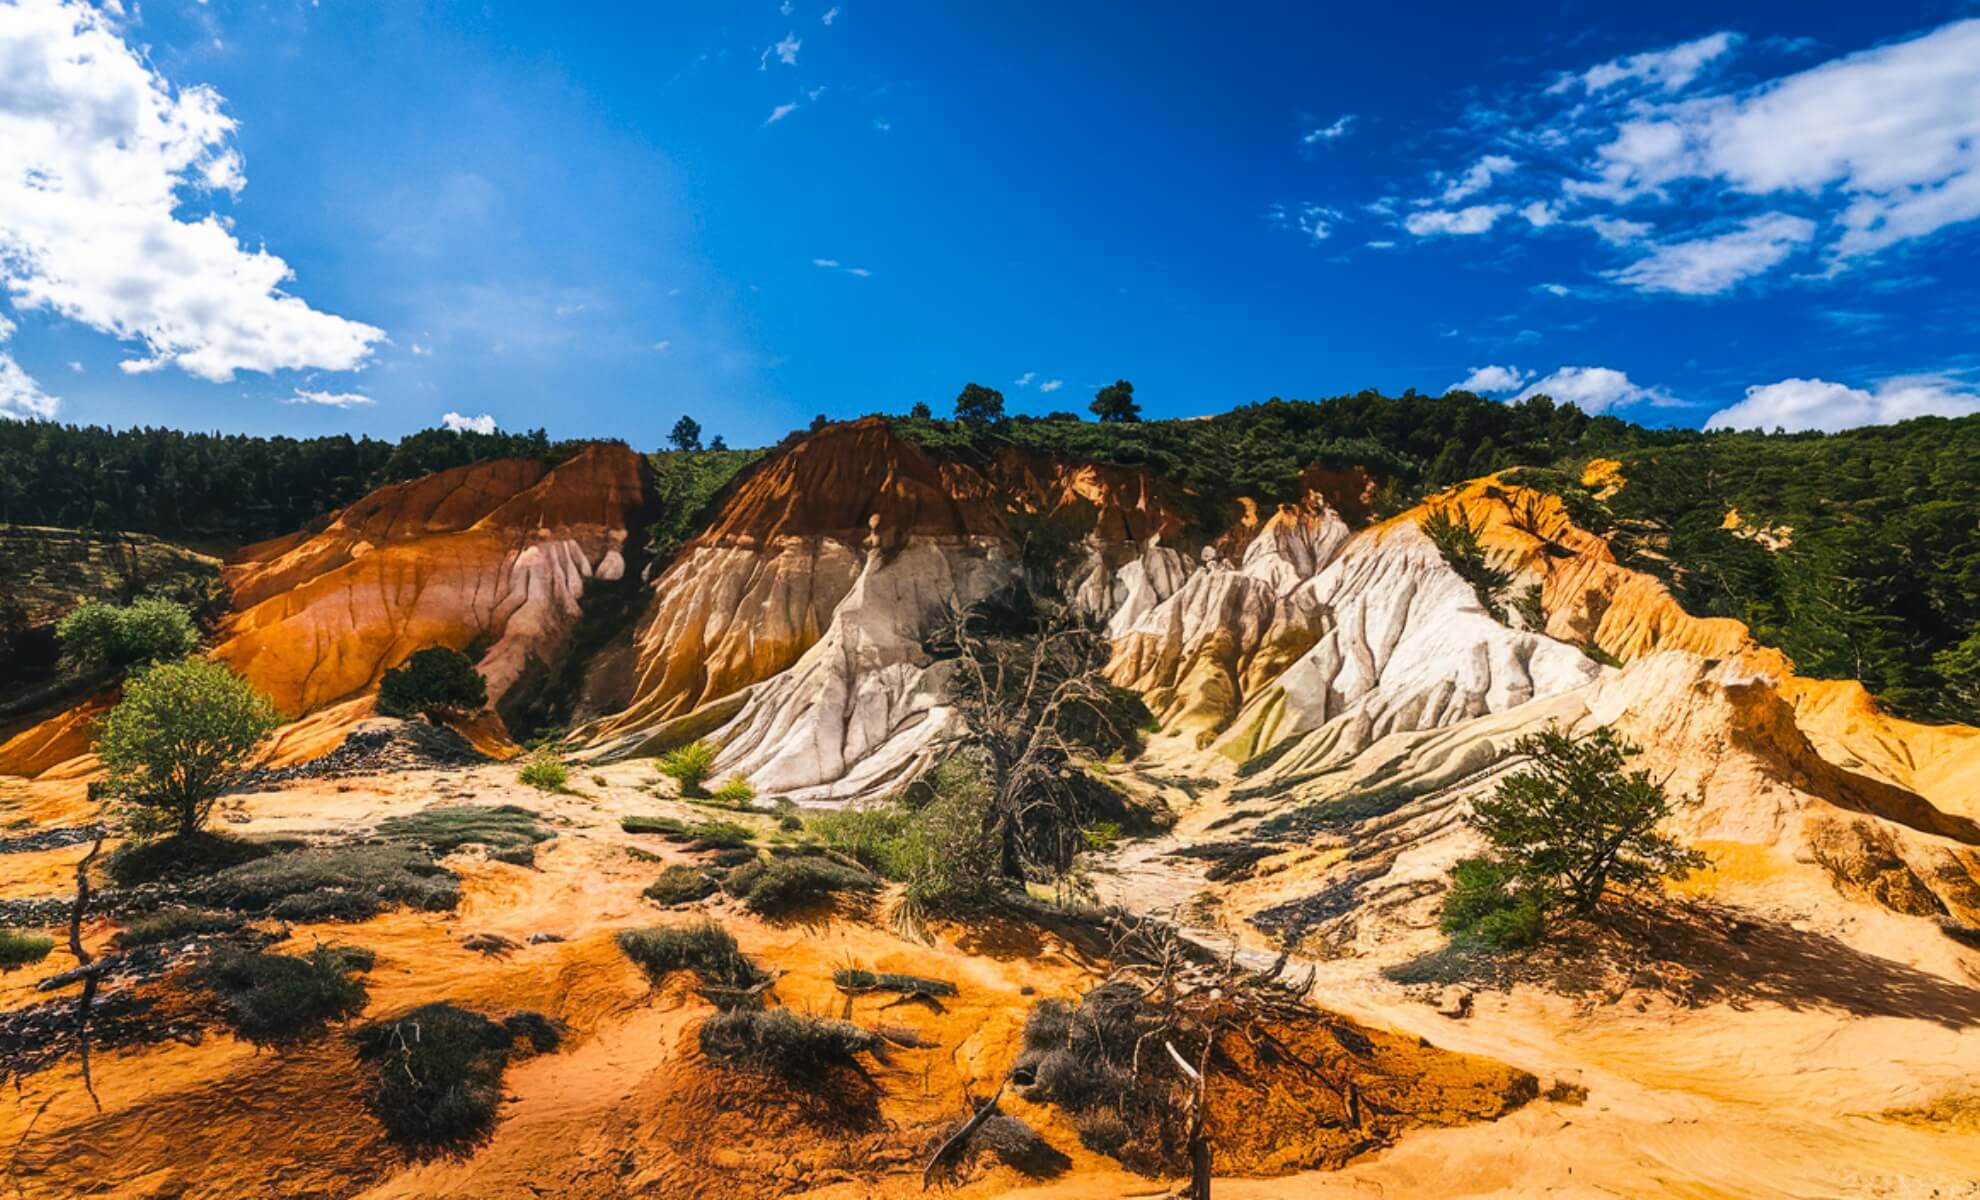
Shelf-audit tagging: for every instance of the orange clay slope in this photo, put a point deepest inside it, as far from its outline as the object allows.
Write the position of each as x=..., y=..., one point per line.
x=493, y=556
x=1592, y=600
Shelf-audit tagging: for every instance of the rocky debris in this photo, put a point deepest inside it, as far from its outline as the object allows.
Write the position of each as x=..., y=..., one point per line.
x=1454, y=1002
x=493, y=945
x=378, y=749
x=50, y=839
x=38, y=1036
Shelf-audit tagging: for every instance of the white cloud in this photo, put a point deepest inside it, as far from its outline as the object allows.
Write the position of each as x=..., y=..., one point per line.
x=77, y=367
x=330, y=399
x=1381, y=244
x=460, y=424
x=1709, y=265
x=831, y=15
x=20, y=397
x=102, y=155
x=1669, y=69
x=1552, y=289
x=1595, y=389
x=1314, y=220
x=1476, y=219
x=1893, y=131
x=787, y=8
x=862, y=272
x=1616, y=231
x=779, y=113
x=1484, y=380
x=1540, y=214
x=662, y=345
x=1025, y=379
x=1800, y=404
x=421, y=350
x=824, y=262
x=833, y=264
x=1477, y=177
x=787, y=49
x=1327, y=133
x=1051, y=385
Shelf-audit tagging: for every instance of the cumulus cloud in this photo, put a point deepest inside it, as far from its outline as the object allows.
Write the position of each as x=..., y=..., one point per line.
x=1025, y=379
x=1595, y=389
x=1670, y=69
x=779, y=113
x=1709, y=265
x=1803, y=404
x=830, y=15
x=103, y=158
x=1485, y=380
x=20, y=397
x=1893, y=131
x=1314, y=220
x=329, y=399
x=1051, y=385
x=1477, y=178
x=786, y=51
x=460, y=424
x=1476, y=219
x=1327, y=133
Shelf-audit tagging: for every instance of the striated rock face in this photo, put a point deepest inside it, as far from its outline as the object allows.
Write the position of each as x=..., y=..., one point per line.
x=492, y=556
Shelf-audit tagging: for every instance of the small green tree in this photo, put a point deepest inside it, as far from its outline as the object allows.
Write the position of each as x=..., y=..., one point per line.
x=920, y=412
x=1115, y=402
x=128, y=638
x=686, y=434
x=179, y=738
x=435, y=681
x=1563, y=832
x=690, y=766
x=979, y=405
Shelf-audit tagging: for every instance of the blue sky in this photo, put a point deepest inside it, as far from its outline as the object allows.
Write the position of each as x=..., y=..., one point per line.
x=278, y=216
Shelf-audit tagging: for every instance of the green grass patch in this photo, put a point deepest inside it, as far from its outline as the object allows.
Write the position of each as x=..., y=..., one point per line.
x=20, y=949
x=778, y=1042
x=681, y=884
x=438, y=1070
x=727, y=975
x=789, y=884
x=510, y=832
x=173, y=925
x=349, y=883
x=189, y=856
x=269, y=998
x=855, y=979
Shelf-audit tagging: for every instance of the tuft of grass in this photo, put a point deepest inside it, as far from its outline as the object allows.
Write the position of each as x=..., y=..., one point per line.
x=681, y=884
x=703, y=835
x=20, y=949
x=270, y=998
x=778, y=1042
x=510, y=831
x=438, y=1070
x=172, y=925
x=736, y=793
x=855, y=979
x=707, y=949
x=789, y=884
x=344, y=883
x=666, y=827
x=690, y=766
x=545, y=773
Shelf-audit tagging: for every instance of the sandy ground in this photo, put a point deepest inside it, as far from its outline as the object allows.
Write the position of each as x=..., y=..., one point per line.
x=1772, y=1097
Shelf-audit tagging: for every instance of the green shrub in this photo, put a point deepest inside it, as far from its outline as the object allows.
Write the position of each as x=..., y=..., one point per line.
x=510, y=831
x=690, y=766
x=436, y=681
x=870, y=834
x=1484, y=901
x=173, y=925
x=792, y=883
x=545, y=773
x=19, y=949
x=667, y=827
x=1460, y=543
x=438, y=1070
x=784, y=1044
x=737, y=792
x=187, y=856
x=681, y=884
x=950, y=856
x=97, y=635
x=180, y=737
x=726, y=973
x=278, y=997
x=344, y=883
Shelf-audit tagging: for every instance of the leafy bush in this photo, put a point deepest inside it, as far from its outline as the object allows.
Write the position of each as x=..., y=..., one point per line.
x=278, y=997
x=173, y=925
x=510, y=831
x=149, y=630
x=778, y=1042
x=789, y=884
x=438, y=1070
x=545, y=773
x=869, y=834
x=181, y=735
x=950, y=856
x=1458, y=541
x=344, y=883
x=1562, y=833
x=690, y=766
x=727, y=975
x=436, y=681
x=19, y=949
x=681, y=884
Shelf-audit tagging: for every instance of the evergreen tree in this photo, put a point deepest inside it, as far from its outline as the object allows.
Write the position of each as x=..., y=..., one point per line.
x=1115, y=402
x=686, y=435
